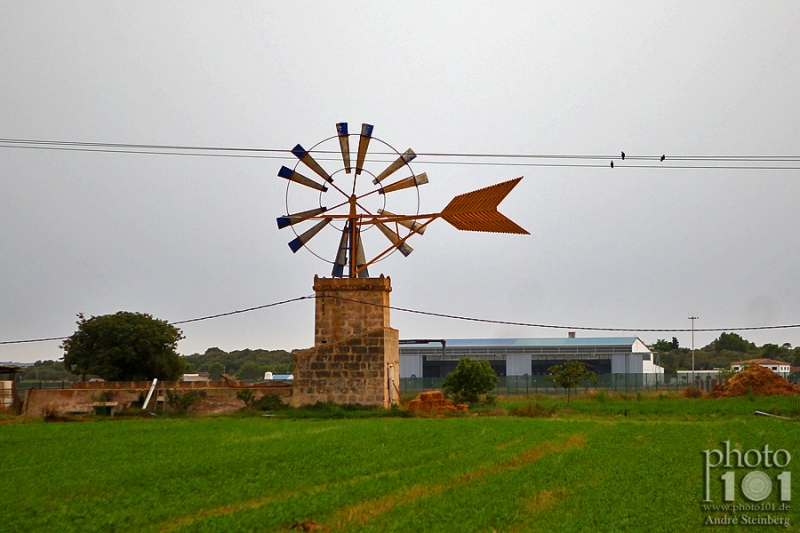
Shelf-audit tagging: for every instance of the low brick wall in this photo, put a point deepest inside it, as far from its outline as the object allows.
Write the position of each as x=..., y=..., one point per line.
x=214, y=399
x=113, y=385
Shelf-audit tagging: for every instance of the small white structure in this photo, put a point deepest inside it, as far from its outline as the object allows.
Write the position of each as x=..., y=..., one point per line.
x=269, y=376
x=781, y=368
x=199, y=376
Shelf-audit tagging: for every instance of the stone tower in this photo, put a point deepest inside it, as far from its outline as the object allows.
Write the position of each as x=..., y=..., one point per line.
x=356, y=353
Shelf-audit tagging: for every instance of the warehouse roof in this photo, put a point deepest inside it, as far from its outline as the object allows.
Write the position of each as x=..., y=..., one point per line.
x=560, y=341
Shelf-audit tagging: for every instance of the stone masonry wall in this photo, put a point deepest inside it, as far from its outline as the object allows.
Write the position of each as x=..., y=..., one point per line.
x=354, y=370
x=340, y=312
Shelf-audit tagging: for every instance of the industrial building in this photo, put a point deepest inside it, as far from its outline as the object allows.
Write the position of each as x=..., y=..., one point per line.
x=519, y=357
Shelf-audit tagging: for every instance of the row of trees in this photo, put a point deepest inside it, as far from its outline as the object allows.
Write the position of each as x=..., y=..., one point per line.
x=137, y=347
x=720, y=353
x=244, y=364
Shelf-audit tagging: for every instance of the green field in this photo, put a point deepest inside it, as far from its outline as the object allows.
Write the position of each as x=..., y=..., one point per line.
x=606, y=465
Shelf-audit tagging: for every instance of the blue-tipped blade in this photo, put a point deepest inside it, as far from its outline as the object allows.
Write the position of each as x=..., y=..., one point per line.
x=289, y=220
x=296, y=244
x=299, y=151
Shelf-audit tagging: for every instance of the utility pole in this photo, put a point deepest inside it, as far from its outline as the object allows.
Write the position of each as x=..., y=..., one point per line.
x=693, y=318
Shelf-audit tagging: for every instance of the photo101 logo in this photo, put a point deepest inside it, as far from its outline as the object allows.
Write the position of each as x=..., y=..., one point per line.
x=744, y=470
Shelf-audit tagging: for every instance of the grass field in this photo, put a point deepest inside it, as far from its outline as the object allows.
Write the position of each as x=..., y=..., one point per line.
x=608, y=464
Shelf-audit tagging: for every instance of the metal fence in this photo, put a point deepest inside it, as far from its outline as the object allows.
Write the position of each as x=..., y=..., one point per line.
x=514, y=385
x=531, y=385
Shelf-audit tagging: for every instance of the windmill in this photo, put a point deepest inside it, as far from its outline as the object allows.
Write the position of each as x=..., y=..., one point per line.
x=354, y=200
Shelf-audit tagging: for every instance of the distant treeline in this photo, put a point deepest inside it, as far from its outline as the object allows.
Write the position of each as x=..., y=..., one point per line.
x=720, y=353
x=244, y=364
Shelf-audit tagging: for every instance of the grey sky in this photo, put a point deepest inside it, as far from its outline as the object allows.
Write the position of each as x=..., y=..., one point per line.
x=181, y=237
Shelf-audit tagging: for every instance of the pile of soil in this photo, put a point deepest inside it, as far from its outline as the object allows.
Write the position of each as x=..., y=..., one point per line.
x=434, y=401
x=762, y=381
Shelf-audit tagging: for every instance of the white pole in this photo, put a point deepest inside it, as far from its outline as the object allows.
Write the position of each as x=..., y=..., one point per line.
x=391, y=385
x=693, y=318
x=150, y=394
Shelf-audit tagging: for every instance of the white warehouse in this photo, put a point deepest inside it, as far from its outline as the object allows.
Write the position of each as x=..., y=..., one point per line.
x=518, y=357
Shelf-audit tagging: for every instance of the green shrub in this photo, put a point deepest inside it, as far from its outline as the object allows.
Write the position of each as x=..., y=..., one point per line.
x=601, y=396
x=469, y=380
x=181, y=403
x=269, y=402
x=246, y=395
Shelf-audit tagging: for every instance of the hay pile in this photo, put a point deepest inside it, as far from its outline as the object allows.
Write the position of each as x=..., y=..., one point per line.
x=433, y=402
x=762, y=381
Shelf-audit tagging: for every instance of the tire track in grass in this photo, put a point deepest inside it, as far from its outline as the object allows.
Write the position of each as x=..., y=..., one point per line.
x=178, y=523
x=362, y=512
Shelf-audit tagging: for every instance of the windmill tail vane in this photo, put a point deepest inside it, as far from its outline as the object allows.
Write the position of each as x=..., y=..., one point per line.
x=472, y=211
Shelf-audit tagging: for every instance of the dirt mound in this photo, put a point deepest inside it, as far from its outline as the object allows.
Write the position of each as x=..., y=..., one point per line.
x=762, y=381
x=434, y=401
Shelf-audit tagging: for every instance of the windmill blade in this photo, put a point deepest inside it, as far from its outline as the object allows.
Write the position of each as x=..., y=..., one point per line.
x=341, y=254
x=477, y=210
x=408, y=156
x=410, y=224
x=413, y=181
x=301, y=240
x=363, y=144
x=291, y=175
x=303, y=155
x=290, y=220
x=360, y=256
x=392, y=236
x=344, y=144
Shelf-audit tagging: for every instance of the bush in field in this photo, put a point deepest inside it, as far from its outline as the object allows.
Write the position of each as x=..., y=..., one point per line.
x=570, y=375
x=692, y=391
x=181, y=403
x=269, y=402
x=246, y=395
x=469, y=380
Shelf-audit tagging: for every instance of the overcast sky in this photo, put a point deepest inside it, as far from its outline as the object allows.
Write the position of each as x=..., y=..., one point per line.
x=181, y=236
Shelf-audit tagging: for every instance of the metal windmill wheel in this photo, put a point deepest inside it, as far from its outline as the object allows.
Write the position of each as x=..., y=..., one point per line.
x=352, y=203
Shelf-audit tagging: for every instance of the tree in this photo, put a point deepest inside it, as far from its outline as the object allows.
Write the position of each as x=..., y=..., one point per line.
x=215, y=371
x=733, y=342
x=470, y=379
x=570, y=375
x=251, y=371
x=124, y=347
x=662, y=345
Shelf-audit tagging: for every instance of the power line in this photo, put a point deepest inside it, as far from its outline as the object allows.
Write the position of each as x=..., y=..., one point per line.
x=454, y=317
x=554, y=326
x=275, y=304
x=208, y=317
x=768, y=162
